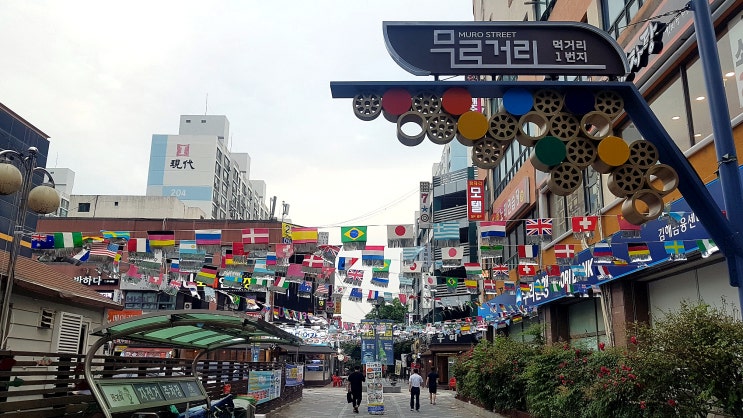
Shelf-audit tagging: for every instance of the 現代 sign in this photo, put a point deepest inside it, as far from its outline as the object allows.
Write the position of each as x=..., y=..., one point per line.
x=517, y=48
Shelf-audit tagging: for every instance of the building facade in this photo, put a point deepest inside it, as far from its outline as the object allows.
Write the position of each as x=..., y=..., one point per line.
x=197, y=167
x=672, y=81
x=18, y=135
x=113, y=206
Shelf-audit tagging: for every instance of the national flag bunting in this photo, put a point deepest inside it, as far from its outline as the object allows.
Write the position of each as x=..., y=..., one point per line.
x=104, y=249
x=500, y=270
x=529, y=253
x=552, y=270
x=159, y=239
x=638, y=252
x=188, y=246
x=603, y=272
x=353, y=234
x=492, y=229
x=42, y=242
x=254, y=236
x=208, y=236
x=397, y=232
x=304, y=235
x=628, y=230
x=584, y=223
x=207, y=274
x=602, y=252
x=564, y=253
x=138, y=245
x=540, y=226
x=446, y=230
x=707, y=247
x=675, y=250
x=473, y=269
x=525, y=287
x=452, y=253
x=68, y=239
x=527, y=270
x=116, y=234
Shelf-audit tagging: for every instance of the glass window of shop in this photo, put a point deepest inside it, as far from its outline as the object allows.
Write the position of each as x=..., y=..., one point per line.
x=585, y=200
x=518, y=331
x=683, y=107
x=513, y=158
x=586, y=324
x=617, y=14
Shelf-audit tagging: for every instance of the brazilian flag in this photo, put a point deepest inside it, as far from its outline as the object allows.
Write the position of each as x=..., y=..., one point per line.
x=451, y=284
x=353, y=234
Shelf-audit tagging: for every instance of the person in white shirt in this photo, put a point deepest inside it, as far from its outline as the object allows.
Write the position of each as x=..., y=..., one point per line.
x=414, y=387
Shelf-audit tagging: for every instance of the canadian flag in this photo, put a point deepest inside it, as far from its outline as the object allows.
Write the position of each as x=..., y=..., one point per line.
x=451, y=253
x=584, y=223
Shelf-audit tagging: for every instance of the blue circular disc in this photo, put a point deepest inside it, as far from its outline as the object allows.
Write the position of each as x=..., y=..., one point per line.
x=518, y=101
x=580, y=102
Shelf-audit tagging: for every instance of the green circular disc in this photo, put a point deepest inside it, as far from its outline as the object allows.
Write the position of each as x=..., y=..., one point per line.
x=550, y=150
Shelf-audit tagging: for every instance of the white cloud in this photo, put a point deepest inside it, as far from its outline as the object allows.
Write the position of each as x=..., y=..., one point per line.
x=100, y=78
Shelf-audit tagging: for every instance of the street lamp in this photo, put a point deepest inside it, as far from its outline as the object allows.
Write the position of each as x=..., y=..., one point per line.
x=42, y=200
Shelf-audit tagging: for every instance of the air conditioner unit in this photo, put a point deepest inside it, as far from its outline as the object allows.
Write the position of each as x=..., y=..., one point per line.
x=186, y=305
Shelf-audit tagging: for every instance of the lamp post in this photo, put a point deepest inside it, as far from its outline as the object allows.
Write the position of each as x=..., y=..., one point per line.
x=42, y=200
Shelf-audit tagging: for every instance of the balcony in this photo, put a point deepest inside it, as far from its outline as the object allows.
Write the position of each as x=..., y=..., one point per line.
x=456, y=213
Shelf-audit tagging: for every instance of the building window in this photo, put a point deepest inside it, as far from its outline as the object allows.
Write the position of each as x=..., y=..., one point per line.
x=83, y=207
x=217, y=169
x=617, y=14
x=188, y=120
x=585, y=200
x=203, y=120
x=116, y=204
x=219, y=155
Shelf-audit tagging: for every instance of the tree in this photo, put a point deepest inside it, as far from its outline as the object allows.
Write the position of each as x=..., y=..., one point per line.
x=394, y=311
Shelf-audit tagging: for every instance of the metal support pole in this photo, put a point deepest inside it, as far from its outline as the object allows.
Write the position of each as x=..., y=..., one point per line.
x=727, y=160
x=29, y=164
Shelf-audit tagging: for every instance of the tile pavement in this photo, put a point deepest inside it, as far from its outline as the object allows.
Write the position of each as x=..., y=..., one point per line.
x=331, y=402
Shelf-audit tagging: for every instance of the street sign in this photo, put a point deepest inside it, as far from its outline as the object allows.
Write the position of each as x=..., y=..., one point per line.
x=499, y=48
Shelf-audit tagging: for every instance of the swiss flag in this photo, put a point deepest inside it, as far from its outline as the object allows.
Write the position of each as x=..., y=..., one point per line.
x=585, y=223
x=527, y=270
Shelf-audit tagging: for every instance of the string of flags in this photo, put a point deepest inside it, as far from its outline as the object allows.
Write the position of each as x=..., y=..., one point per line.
x=254, y=263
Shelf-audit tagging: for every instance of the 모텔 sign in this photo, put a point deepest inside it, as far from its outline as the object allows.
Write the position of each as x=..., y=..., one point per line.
x=518, y=48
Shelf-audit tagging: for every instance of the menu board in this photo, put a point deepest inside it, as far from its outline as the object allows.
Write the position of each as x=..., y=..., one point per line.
x=374, y=388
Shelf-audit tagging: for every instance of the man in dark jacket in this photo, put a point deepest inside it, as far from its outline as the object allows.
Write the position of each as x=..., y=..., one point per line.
x=355, y=381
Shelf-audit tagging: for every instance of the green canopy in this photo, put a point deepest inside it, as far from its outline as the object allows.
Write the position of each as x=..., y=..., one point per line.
x=205, y=330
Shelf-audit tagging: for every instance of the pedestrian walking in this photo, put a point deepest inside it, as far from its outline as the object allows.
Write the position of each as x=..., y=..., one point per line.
x=355, y=381
x=432, y=381
x=414, y=387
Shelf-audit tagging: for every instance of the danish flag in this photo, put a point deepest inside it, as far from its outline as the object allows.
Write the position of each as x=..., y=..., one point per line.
x=312, y=261
x=564, y=251
x=255, y=236
x=541, y=226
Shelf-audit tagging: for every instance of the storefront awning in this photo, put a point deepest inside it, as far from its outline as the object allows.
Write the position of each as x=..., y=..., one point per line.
x=190, y=329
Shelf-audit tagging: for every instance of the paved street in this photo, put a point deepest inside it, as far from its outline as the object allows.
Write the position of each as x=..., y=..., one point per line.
x=331, y=402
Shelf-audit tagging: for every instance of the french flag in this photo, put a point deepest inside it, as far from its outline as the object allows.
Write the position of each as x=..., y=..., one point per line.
x=528, y=251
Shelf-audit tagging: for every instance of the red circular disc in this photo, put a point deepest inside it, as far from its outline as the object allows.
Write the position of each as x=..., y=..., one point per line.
x=396, y=101
x=400, y=230
x=456, y=100
x=452, y=252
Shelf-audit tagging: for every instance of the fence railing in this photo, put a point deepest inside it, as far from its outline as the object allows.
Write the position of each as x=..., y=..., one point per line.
x=47, y=385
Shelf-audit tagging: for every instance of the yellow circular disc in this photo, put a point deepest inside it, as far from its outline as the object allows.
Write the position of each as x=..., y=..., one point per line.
x=472, y=125
x=613, y=151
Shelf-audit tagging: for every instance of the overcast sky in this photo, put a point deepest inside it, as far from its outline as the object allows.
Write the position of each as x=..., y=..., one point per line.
x=101, y=78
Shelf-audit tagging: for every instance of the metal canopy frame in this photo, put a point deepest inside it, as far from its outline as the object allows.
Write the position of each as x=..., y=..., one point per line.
x=187, y=329
x=721, y=230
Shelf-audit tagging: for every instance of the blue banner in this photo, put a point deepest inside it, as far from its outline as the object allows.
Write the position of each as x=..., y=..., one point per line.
x=294, y=374
x=686, y=229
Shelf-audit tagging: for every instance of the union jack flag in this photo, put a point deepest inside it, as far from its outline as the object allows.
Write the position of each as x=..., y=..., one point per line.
x=500, y=269
x=355, y=274
x=541, y=226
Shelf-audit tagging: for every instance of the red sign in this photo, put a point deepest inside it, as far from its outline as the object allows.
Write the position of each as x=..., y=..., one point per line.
x=514, y=203
x=114, y=316
x=476, y=200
